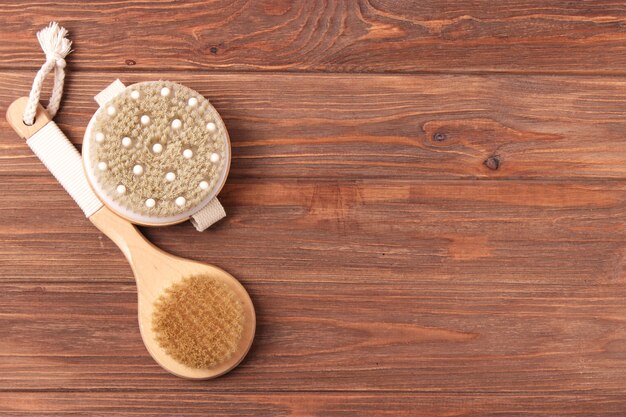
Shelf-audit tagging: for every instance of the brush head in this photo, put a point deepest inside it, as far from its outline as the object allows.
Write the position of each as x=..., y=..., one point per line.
x=156, y=153
x=199, y=321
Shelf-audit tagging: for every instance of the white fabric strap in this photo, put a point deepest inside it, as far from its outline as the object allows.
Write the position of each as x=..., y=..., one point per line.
x=104, y=96
x=64, y=162
x=208, y=215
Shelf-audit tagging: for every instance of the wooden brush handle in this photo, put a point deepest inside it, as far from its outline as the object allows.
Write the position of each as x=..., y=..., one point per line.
x=123, y=233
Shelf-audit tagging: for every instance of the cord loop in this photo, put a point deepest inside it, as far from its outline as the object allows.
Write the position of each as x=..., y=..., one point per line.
x=56, y=46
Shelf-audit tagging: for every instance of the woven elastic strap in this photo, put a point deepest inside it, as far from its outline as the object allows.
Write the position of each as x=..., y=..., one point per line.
x=63, y=160
x=208, y=215
x=113, y=89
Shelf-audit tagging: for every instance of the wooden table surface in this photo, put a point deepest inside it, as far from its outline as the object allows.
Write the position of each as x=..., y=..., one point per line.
x=426, y=204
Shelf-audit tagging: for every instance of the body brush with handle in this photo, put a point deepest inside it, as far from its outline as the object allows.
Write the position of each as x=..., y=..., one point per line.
x=154, y=153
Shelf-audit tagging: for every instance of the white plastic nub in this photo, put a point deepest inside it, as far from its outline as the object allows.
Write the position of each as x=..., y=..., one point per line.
x=63, y=160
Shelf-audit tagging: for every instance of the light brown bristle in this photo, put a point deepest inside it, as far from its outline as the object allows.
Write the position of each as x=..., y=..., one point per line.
x=198, y=321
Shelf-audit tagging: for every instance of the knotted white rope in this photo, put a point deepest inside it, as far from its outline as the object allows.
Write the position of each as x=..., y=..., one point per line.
x=54, y=43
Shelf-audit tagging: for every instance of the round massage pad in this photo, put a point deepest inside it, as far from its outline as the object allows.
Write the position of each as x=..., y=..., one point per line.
x=156, y=153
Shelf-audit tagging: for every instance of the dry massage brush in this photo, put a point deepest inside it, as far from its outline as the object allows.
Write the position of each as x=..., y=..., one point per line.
x=154, y=153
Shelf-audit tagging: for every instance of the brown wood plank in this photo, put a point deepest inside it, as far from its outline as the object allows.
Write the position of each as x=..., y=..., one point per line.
x=426, y=205
x=306, y=404
x=452, y=336
x=536, y=233
x=339, y=36
x=375, y=126
x=448, y=286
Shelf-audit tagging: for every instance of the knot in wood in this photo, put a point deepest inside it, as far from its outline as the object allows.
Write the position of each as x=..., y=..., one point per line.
x=439, y=137
x=493, y=162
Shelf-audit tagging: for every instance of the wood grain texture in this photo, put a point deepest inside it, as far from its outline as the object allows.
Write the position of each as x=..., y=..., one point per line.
x=479, y=338
x=437, y=286
x=407, y=127
x=326, y=35
x=313, y=404
x=446, y=238
x=535, y=233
